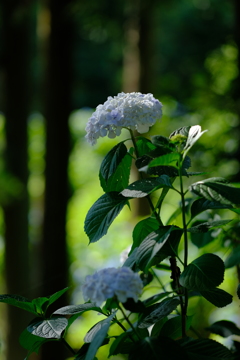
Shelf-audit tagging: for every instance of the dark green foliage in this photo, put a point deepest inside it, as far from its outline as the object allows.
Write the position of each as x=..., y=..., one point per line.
x=204, y=273
x=155, y=313
x=224, y=328
x=158, y=325
x=115, y=169
x=217, y=189
x=157, y=246
x=205, y=349
x=144, y=187
x=102, y=214
x=151, y=347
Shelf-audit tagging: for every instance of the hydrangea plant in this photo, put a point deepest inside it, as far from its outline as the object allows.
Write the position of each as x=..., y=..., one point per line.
x=158, y=326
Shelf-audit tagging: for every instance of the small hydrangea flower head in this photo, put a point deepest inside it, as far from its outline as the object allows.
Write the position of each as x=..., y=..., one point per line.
x=135, y=111
x=106, y=283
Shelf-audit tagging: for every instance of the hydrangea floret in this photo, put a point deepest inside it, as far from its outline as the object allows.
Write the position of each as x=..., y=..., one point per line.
x=109, y=282
x=134, y=111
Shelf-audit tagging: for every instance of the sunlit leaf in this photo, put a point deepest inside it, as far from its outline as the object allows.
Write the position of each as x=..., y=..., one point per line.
x=217, y=189
x=102, y=213
x=97, y=335
x=164, y=160
x=206, y=226
x=202, y=204
x=48, y=328
x=204, y=273
x=76, y=309
x=143, y=229
x=142, y=188
x=157, y=246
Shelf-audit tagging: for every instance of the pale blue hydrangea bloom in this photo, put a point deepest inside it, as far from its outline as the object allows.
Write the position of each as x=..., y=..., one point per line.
x=106, y=283
x=135, y=111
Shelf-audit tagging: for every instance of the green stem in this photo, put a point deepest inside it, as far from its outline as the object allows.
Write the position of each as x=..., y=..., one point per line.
x=184, y=304
x=128, y=321
x=123, y=328
x=120, y=324
x=68, y=346
x=148, y=197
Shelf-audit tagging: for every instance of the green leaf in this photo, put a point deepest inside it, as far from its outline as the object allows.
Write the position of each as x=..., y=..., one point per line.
x=153, y=299
x=32, y=342
x=157, y=246
x=97, y=336
x=42, y=303
x=81, y=354
x=224, y=328
x=234, y=258
x=120, y=178
x=203, y=227
x=142, y=230
x=112, y=160
x=193, y=135
x=204, y=273
x=121, y=345
x=173, y=327
x=158, y=326
x=216, y=189
x=152, y=348
x=144, y=146
x=49, y=328
x=76, y=309
x=217, y=297
x=101, y=215
x=19, y=301
x=202, y=204
x=205, y=349
x=54, y=297
x=142, y=188
x=165, y=160
x=157, y=312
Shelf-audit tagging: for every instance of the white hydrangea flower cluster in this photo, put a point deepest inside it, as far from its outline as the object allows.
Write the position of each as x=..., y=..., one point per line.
x=135, y=111
x=105, y=283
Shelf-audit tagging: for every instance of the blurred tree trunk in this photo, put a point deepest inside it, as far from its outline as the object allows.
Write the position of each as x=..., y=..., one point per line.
x=137, y=70
x=16, y=17
x=57, y=110
x=146, y=48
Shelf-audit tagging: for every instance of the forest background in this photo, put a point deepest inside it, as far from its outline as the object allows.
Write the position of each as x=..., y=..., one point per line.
x=59, y=59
